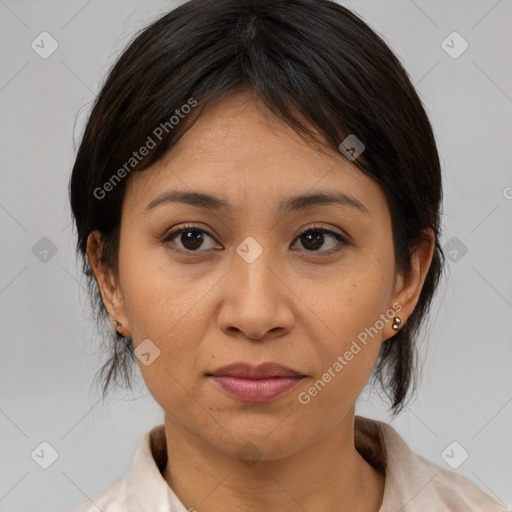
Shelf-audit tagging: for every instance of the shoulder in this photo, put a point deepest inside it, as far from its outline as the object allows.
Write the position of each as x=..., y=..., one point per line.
x=143, y=487
x=111, y=499
x=453, y=491
x=414, y=483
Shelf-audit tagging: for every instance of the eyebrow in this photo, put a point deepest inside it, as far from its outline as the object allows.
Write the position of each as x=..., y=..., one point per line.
x=294, y=203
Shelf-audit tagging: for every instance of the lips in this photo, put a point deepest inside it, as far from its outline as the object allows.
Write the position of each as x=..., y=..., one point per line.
x=248, y=371
x=256, y=384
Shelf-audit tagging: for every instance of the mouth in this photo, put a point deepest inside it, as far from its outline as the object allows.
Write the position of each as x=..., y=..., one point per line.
x=256, y=384
x=256, y=390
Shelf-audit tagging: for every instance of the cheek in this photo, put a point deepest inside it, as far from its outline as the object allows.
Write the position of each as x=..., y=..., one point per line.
x=348, y=352
x=353, y=299
x=161, y=299
x=352, y=313
x=167, y=308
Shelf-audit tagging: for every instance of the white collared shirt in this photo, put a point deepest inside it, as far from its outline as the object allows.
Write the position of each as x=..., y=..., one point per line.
x=412, y=484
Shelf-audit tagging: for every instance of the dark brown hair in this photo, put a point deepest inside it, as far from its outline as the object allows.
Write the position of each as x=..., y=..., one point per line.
x=318, y=67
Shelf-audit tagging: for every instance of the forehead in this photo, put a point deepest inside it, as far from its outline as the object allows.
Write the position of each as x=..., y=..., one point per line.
x=239, y=149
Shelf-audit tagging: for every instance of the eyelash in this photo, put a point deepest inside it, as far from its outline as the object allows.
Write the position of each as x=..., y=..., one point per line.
x=314, y=229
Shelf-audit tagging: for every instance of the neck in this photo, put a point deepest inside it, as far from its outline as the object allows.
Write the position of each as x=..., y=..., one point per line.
x=328, y=475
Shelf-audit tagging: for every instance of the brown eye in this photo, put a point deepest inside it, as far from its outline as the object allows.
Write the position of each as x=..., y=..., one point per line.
x=193, y=239
x=190, y=238
x=314, y=238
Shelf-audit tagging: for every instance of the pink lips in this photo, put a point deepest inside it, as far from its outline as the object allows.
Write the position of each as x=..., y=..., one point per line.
x=256, y=384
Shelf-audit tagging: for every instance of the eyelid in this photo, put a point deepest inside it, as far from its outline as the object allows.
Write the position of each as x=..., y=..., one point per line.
x=326, y=229
x=184, y=227
x=343, y=240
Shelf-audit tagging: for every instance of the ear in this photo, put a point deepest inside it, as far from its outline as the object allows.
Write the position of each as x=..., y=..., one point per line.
x=408, y=288
x=109, y=288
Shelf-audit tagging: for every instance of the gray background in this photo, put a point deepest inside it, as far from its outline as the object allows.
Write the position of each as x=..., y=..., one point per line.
x=49, y=347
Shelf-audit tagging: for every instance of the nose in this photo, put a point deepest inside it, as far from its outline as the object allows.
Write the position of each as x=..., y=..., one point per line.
x=256, y=300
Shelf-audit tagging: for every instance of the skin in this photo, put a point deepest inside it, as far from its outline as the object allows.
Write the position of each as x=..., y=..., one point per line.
x=294, y=304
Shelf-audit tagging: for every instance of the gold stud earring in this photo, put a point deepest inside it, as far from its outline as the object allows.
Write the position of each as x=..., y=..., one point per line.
x=396, y=323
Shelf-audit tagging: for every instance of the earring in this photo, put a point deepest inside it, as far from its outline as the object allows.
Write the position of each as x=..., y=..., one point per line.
x=117, y=328
x=396, y=323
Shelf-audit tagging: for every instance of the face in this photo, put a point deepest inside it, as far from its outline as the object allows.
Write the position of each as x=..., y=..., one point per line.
x=311, y=287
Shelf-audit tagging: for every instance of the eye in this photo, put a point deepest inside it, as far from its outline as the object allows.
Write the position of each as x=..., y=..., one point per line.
x=314, y=238
x=191, y=238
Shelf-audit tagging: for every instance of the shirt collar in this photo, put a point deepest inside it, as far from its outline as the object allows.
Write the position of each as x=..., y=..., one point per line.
x=407, y=474
x=145, y=478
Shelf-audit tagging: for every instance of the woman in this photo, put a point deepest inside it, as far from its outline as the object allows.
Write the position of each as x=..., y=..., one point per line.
x=257, y=200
